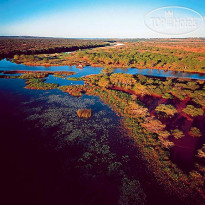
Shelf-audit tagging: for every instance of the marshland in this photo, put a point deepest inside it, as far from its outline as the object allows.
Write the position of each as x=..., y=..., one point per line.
x=112, y=122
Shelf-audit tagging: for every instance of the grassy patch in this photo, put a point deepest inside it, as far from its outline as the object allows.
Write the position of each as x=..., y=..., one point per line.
x=75, y=78
x=33, y=75
x=39, y=84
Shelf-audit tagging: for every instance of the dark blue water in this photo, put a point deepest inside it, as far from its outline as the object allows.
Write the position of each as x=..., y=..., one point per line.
x=63, y=81
x=42, y=140
x=50, y=156
x=7, y=65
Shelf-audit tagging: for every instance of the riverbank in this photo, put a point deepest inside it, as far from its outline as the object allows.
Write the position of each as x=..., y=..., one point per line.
x=80, y=64
x=152, y=130
x=96, y=58
x=147, y=106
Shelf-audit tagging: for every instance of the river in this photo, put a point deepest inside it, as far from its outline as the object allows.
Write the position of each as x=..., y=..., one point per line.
x=53, y=157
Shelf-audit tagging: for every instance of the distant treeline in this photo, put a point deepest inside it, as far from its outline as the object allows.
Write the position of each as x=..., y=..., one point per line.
x=147, y=56
x=11, y=46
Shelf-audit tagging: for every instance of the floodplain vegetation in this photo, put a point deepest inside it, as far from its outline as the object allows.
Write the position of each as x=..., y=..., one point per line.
x=155, y=54
x=158, y=113
x=36, y=79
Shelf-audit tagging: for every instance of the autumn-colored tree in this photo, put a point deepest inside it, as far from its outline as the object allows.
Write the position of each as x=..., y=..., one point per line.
x=201, y=152
x=195, y=132
x=193, y=111
x=86, y=113
x=169, y=110
x=104, y=82
x=121, y=79
x=136, y=110
x=140, y=89
x=16, y=57
x=177, y=133
x=153, y=125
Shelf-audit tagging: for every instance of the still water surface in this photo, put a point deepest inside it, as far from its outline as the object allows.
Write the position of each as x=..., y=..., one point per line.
x=53, y=157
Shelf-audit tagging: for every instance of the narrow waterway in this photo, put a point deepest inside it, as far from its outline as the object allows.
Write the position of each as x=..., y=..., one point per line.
x=7, y=65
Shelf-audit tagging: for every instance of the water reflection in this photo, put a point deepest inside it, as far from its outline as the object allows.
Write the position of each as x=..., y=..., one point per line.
x=7, y=65
x=63, y=81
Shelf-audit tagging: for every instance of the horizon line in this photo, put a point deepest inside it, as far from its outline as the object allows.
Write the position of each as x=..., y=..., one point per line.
x=28, y=36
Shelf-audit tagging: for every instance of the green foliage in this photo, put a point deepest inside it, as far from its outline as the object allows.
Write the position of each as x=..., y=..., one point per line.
x=151, y=134
x=39, y=84
x=16, y=57
x=140, y=89
x=143, y=56
x=120, y=79
x=169, y=110
x=193, y=85
x=59, y=76
x=167, y=96
x=178, y=134
x=193, y=111
x=142, y=78
x=179, y=93
x=104, y=82
x=75, y=78
x=198, y=97
x=33, y=75
x=195, y=132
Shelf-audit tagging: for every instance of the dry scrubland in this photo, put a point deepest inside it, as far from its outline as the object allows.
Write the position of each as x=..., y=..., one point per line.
x=11, y=46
